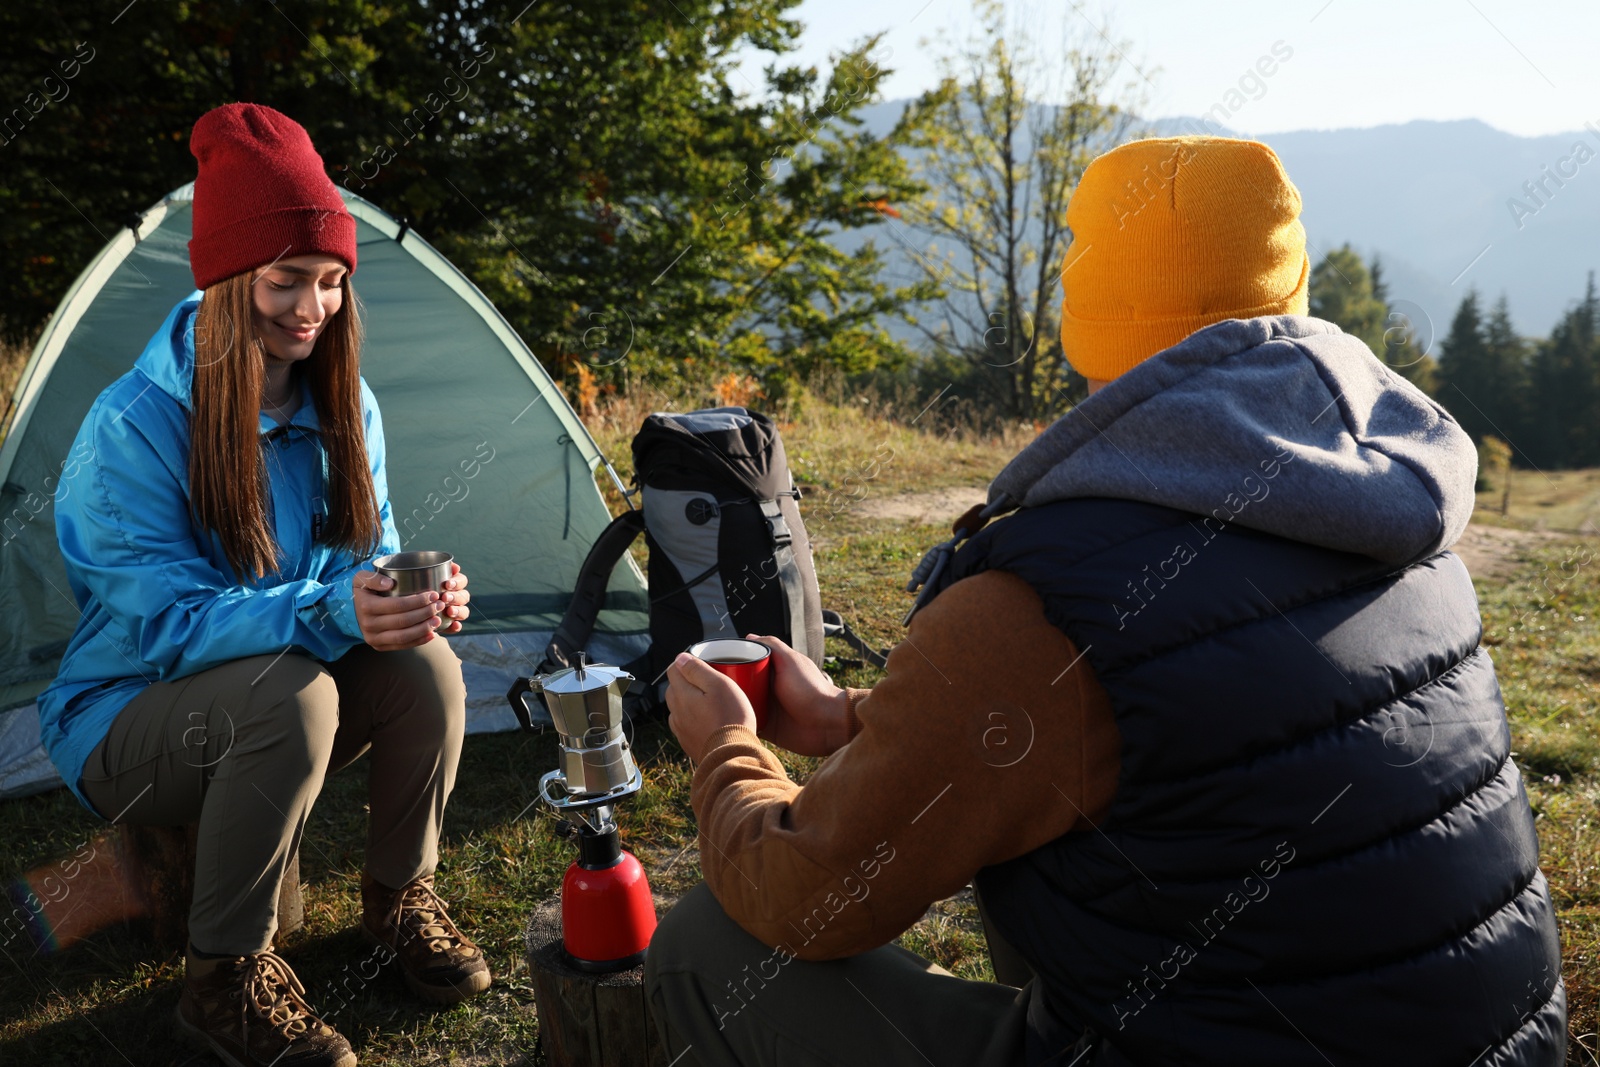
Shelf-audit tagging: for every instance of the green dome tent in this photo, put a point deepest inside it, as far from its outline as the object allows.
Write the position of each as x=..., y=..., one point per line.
x=459, y=392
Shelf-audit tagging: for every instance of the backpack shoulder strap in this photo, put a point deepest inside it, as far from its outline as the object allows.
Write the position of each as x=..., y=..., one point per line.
x=589, y=592
x=833, y=625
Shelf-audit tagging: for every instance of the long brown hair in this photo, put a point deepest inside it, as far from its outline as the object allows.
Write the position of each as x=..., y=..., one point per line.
x=228, y=487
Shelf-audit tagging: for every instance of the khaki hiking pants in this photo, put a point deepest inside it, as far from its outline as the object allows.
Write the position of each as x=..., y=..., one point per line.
x=723, y=999
x=242, y=748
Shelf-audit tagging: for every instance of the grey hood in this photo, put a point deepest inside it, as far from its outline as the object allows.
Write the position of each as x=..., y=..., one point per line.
x=1283, y=424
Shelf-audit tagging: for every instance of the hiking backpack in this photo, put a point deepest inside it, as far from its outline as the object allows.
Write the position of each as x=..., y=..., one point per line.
x=728, y=551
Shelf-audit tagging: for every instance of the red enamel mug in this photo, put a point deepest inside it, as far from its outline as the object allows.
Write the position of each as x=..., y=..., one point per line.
x=748, y=663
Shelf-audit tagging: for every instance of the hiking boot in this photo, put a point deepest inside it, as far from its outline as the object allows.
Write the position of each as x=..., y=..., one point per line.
x=250, y=1011
x=439, y=963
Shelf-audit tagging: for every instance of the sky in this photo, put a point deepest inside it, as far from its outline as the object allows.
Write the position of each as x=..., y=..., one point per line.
x=1524, y=66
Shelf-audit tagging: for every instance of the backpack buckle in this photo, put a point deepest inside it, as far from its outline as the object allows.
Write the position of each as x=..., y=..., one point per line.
x=776, y=526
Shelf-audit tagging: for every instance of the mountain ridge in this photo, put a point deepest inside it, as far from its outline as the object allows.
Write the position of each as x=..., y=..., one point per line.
x=1447, y=205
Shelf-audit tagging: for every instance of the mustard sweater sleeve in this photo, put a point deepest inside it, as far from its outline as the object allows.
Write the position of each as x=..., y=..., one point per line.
x=988, y=737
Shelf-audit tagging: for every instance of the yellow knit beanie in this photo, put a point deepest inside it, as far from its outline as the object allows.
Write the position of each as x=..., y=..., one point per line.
x=1170, y=235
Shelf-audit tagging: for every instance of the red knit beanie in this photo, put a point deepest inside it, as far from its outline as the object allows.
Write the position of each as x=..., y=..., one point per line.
x=261, y=195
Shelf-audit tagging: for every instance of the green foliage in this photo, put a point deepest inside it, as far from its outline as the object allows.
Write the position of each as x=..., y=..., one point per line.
x=1474, y=380
x=1494, y=458
x=1400, y=347
x=1345, y=292
x=601, y=171
x=1541, y=397
x=1564, y=398
x=1341, y=292
x=1001, y=168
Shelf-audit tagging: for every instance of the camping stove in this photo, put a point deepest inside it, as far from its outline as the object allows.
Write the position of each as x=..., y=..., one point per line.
x=607, y=914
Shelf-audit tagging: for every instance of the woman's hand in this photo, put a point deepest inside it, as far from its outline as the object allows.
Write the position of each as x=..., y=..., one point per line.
x=806, y=714
x=390, y=623
x=703, y=701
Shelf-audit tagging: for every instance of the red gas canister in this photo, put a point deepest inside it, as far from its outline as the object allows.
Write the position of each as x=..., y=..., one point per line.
x=607, y=914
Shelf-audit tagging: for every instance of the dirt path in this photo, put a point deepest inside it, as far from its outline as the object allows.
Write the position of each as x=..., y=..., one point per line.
x=1491, y=551
x=936, y=507
x=1488, y=551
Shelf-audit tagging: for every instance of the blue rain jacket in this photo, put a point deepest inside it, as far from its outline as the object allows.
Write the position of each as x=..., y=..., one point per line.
x=157, y=597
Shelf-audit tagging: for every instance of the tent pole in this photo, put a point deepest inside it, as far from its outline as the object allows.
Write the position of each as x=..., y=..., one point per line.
x=626, y=495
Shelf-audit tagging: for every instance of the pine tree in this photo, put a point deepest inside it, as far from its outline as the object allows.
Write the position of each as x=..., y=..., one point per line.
x=1507, y=383
x=1465, y=381
x=1402, y=350
x=1566, y=388
x=1344, y=291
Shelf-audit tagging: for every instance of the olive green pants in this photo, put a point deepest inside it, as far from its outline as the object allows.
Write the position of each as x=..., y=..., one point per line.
x=242, y=749
x=722, y=999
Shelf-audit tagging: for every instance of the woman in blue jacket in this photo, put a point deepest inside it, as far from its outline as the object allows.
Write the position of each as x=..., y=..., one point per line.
x=234, y=645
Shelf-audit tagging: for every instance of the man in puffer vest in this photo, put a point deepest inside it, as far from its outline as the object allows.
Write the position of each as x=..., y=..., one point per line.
x=1205, y=719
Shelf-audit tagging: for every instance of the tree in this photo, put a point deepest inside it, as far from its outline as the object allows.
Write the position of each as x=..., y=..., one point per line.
x=1402, y=349
x=1566, y=388
x=1341, y=291
x=1344, y=291
x=1000, y=166
x=1495, y=455
x=1483, y=376
x=1507, y=386
x=1464, y=372
x=597, y=169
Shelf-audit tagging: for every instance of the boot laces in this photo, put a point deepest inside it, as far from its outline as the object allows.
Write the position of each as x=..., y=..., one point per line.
x=418, y=910
x=268, y=986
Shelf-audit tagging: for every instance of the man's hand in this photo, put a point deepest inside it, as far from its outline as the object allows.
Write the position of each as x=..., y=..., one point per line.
x=703, y=701
x=806, y=714
x=389, y=623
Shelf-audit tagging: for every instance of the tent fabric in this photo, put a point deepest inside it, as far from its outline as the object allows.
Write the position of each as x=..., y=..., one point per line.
x=486, y=460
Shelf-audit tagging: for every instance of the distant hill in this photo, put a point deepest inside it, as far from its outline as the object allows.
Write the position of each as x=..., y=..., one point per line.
x=1428, y=197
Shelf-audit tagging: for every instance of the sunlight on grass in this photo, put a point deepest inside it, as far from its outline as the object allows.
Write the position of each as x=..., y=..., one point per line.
x=1544, y=500
x=1543, y=629
x=500, y=855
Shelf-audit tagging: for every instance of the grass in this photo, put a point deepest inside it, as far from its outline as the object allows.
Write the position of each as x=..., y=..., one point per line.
x=1543, y=629
x=13, y=358
x=115, y=991
x=1544, y=500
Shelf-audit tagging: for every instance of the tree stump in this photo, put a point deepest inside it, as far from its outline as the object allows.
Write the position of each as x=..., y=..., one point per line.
x=588, y=1020
x=159, y=862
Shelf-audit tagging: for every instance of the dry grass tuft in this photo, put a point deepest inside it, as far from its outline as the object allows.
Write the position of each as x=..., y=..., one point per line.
x=13, y=357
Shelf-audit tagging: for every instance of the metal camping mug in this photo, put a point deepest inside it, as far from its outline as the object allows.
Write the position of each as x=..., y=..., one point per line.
x=414, y=572
x=748, y=663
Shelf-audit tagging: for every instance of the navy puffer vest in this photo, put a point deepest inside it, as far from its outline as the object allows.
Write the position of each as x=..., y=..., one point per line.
x=1319, y=850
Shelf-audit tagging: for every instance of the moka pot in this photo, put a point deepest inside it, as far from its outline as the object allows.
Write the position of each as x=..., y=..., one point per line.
x=607, y=912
